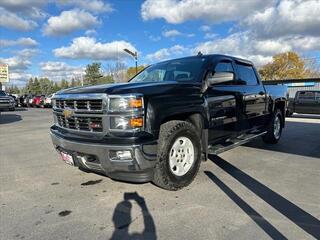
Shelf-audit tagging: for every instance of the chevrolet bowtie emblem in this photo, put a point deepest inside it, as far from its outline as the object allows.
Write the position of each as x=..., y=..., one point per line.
x=67, y=113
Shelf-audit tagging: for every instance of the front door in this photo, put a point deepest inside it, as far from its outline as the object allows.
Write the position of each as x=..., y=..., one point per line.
x=224, y=103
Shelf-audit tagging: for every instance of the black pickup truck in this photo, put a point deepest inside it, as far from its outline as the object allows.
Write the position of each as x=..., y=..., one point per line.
x=165, y=120
x=307, y=102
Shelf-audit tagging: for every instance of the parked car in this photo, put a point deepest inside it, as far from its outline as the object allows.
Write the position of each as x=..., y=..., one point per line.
x=16, y=98
x=28, y=100
x=38, y=101
x=307, y=102
x=22, y=100
x=171, y=115
x=6, y=102
x=47, y=101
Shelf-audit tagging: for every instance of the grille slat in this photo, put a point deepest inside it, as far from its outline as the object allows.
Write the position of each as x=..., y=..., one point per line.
x=88, y=105
x=80, y=123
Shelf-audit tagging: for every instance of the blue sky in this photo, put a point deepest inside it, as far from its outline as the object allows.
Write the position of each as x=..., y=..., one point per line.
x=56, y=39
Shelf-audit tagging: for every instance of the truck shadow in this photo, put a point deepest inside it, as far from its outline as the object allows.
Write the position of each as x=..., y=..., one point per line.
x=301, y=218
x=299, y=138
x=9, y=118
x=122, y=219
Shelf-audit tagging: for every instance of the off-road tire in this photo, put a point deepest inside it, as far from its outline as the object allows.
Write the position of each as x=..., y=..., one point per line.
x=169, y=132
x=270, y=137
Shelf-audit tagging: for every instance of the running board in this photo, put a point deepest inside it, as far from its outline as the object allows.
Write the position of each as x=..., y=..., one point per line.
x=232, y=143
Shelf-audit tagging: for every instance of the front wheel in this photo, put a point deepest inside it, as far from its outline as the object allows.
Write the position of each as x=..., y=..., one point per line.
x=274, y=129
x=179, y=155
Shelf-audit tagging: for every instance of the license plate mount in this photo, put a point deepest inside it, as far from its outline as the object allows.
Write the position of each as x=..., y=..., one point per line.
x=67, y=158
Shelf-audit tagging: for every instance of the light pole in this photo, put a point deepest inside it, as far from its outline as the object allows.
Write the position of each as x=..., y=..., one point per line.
x=134, y=55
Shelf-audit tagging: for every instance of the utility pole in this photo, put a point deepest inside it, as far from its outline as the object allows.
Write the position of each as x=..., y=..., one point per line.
x=134, y=55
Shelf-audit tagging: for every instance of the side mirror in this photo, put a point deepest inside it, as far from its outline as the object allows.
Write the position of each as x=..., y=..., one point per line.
x=221, y=77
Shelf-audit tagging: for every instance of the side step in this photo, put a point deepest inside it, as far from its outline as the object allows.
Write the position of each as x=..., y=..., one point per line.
x=232, y=143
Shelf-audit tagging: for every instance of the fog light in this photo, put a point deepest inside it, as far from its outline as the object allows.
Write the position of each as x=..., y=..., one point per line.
x=120, y=155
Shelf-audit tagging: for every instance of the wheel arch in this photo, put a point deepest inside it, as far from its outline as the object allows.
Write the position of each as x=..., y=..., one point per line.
x=199, y=121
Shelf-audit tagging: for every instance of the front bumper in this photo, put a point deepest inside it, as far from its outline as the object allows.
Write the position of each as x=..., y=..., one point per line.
x=138, y=169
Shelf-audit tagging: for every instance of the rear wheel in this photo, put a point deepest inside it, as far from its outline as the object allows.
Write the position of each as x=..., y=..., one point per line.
x=179, y=153
x=274, y=129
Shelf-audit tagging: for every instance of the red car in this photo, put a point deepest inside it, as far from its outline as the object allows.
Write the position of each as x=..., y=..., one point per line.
x=37, y=101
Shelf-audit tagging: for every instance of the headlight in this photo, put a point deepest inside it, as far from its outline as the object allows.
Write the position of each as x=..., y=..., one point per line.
x=126, y=123
x=53, y=102
x=125, y=103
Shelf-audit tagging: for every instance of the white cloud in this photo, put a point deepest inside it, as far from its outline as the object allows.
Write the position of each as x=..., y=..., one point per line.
x=19, y=65
x=260, y=51
x=168, y=53
x=60, y=70
x=13, y=21
x=20, y=5
x=175, y=33
x=96, y=6
x=19, y=78
x=171, y=33
x=209, y=35
x=89, y=48
x=289, y=17
x=90, y=32
x=205, y=28
x=175, y=12
x=25, y=42
x=25, y=8
x=154, y=38
x=69, y=21
x=16, y=63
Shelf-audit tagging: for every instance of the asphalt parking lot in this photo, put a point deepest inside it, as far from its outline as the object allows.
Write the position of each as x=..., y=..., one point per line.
x=255, y=191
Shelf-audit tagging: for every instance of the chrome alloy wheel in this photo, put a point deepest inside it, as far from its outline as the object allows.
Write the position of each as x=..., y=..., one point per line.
x=277, y=127
x=181, y=156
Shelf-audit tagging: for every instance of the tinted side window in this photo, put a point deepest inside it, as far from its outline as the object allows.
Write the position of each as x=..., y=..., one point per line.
x=247, y=74
x=224, y=67
x=307, y=96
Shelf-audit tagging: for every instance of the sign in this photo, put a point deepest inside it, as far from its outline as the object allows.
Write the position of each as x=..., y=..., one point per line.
x=4, y=72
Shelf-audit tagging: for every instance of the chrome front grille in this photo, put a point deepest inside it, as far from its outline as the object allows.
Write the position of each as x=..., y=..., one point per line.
x=84, y=113
x=82, y=123
x=80, y=104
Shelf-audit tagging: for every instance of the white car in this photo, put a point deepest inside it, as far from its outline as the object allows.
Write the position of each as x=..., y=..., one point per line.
x=47, y=101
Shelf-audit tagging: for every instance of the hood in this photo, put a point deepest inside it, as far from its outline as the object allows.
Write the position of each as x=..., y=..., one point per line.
x=146, y=88
x=6, y=97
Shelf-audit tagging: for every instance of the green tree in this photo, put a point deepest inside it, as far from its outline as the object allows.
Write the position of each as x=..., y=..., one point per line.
x=36, y=86
x=106, y=79
x=56, y=87
x=29, y=86
x=64, y=84
x=287, y=65
x=46, y=86
x=132, y=71
x=92, y=74
x=13, y=89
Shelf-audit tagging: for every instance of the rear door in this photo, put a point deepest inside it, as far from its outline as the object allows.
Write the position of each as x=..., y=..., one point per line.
x=254, y=97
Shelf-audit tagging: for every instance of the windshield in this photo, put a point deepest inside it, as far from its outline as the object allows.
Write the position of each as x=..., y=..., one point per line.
x=2, y=94
x=181, y=70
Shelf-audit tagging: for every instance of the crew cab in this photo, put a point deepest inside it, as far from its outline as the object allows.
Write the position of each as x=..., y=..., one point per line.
x=166, y=119
x=6, y=102
x=306, y=102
